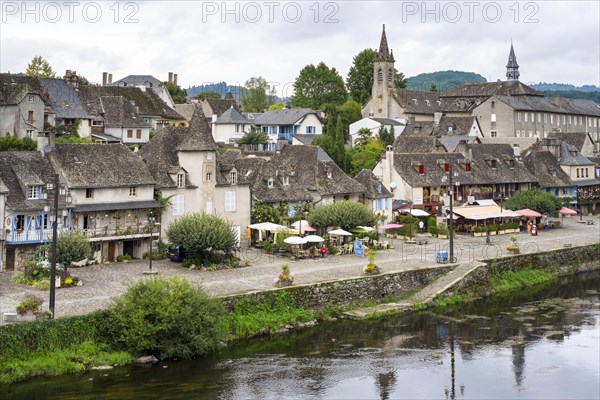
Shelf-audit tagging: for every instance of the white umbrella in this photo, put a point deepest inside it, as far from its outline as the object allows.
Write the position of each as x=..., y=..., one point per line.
x=339, y=232
x=266, y=226
x=366, y=228
x=415, y=212
x=294, y=240
x=314, y=239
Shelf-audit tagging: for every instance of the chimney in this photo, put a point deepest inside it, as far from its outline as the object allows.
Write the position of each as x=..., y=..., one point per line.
x=170, y=77
x=44, y=139
x=104, y=78
x=71, y=78
x=437, y=117
x=557, y=100
x=175, y=79
x=109, y=78
x=464, y=149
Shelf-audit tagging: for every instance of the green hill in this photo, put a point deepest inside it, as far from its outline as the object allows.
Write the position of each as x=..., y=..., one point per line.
x=443, y=80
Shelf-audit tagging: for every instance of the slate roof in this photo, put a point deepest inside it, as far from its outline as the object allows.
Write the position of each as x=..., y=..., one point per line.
x=148, y=102
x=232, y=116
x=146, y=80
x=461, y=104
x=286, y=116
x=388, y=121
x=119, y=113
x=576, y=139
x=418, y=102
x=219, y=106
x=372, y=185
x=14, y=87
x=407, y=166
x=63, y=99
x=501, y=88
x=17, y=169
x=232, y=160
x=451, y=142
x=308, y=177
x=3, y=188
x=544, y=166
x=100, y=166
x=185, y=110
x=304, y=138
x=503, y=172
x=160, y=153
x=569, y=155
x=531, y=104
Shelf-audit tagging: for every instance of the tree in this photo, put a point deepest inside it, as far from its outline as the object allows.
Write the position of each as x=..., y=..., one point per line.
x=72, y=247
x=166, y=318
x=345, y=214
x=350, y=112
x=364, y=134
x=433, y=88
x=399, y=79
x=254, y=137
x=366, y=154
x=13, y=143
x=360, y=76
x=206, y=233
x=277, y=106
x=257, y=95
x=40, y=67
x=262, y=212
x=208, y=95
x=385, y=137
x=538, y=200
x=178, y=94
x=318, y=85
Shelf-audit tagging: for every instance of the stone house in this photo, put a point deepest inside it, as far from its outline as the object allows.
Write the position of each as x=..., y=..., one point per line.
x=282, y=125
x=147, y=82
x=21, y=106
x=230, y=126
x=64, y=106
x=376, y=196
x=184, y=163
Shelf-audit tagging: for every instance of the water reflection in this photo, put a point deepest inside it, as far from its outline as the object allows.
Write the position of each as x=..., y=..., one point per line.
x=543, y=344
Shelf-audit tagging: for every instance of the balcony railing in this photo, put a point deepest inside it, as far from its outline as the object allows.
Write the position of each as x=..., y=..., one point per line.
x=31, y=236
x=118, y=231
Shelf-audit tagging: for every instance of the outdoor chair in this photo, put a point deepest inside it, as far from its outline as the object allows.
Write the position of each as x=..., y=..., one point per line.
x=376, y=244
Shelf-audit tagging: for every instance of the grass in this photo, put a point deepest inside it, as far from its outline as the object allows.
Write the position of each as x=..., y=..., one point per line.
x=511, y=280
x=450, y=300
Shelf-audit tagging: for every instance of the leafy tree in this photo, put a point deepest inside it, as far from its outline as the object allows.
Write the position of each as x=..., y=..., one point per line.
x=254, y=137
x=40, y=67
x=82, y=81
x=162, y=203
x=208, y=95
x=364, y=134
x=366, y=154
x=257, y=94
x=350, y=112
x=13, y=143
x=538, y=200
x=316, y=86
x=206, y=233
x=385, y=137
x=399, y=79
x=71, y=247
x=277, y=106
x=166, y=318
x=345, y=214
x=433, y=88
x=262, y=212
x=177, y=93
x=360, y=76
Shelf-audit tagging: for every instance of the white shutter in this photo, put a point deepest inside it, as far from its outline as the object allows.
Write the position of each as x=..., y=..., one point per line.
x=230, y=201
x=209, y=207
x=178, y=205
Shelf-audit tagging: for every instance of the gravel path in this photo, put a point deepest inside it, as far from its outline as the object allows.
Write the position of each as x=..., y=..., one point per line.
x=105, y=281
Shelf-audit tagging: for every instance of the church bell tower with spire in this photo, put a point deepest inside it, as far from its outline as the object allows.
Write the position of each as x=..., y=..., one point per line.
x=383, y=79
x=512, y=68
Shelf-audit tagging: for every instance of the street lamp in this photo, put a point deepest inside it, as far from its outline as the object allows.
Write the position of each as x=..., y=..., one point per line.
x=151, y=223
x=450, y=191
x=53, y=256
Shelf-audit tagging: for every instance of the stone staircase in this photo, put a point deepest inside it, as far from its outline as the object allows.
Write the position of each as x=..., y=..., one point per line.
x=424, y=296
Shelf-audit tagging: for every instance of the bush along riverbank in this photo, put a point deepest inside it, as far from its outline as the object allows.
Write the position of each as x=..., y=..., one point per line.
x=166, y=319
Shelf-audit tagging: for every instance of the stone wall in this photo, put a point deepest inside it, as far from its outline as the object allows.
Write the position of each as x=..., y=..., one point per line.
x=349, y=291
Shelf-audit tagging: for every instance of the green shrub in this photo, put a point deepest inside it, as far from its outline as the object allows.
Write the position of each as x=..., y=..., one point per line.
x=443, y=228
x=123, y=257
x=43, y=284
x=167, y=318
x=29, y=302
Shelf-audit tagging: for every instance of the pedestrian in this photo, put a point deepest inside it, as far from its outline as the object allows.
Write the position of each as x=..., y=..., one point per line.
x=421, y=227
x=546, y=226
x=534, y=230
x=488, y=239
x=529, y=225
x=323, y=251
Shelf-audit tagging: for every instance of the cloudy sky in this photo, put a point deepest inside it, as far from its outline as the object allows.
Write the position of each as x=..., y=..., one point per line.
x=214, y=41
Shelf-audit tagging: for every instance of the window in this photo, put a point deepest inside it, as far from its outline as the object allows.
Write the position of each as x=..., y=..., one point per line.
x=493, y=117
x=545, y=118
x=311, y=129
x=468, y=167
x=564, y=191
x=230, y=201
x=564, y=119
x=97, y=123
x=379, y=75
x=20, y=221
x=138, y=134
x=129, y=133
x=209, y=207
x=586, y=173
x=511, y=163
x=209, y=156
x=532, y=117
x=233, y=177
x=569, y=120
x=551, y=118
x=30, y=116
x=30, y=133
x=578, y=172
x=446, y=167
x=180, y=180
x=132, y=191
x=491, y=163
x=286, y=180
x=495, y=133
x=237, y=128
x=539, y=117
x=89, y=193
x=34, y=192
x=208, y=176
x=526, y=117
x=421, y=169
x=178, y=205
x=270, y=183
x=389, y=75
x=32, y=98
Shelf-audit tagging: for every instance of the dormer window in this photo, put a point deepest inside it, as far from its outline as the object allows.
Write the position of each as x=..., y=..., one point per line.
x=132, y=191
x=180, y=180
x=510, y=163
x=270, y=183
x=446, y=167
x=573, y=153
x=491, y=163
x=553, y=172
x=421, y=169
x=329, y=174
x=209, y=155
x=34, y=192
x=379, y=188
x=468, y=167
x=89, y=193
x=233, y=177
x=286, y=180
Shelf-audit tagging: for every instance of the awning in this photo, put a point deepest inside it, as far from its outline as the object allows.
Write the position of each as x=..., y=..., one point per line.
x=133, y=205
x=484, y=212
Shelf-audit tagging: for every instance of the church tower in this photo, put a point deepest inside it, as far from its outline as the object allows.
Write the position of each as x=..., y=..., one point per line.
x=512, y=68
x=383, y=79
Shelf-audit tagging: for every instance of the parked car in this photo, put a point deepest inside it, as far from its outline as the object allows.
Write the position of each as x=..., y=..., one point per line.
x=179, y=253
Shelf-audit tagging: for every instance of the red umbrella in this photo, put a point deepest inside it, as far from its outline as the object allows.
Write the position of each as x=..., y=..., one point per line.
x=526, y=212
x=392, y=226
x=566, y=211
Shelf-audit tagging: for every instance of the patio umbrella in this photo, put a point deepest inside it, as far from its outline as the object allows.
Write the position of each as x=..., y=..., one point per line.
x=415, y=212
x=366, y=228
x=526, y=212
x=294, y=240
x=339, y=232
x=566, y=211
x=303, y=226
x=266, y=226
x=314, y=239
x=391, y=226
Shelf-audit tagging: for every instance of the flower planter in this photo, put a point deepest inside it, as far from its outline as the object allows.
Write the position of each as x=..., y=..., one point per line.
x=502, y=232
x=285, y=283
x=478, y=234
x=442, y=236
x=493, y=233
x=373, y=271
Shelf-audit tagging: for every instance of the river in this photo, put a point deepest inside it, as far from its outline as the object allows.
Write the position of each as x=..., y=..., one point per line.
x=540, y=344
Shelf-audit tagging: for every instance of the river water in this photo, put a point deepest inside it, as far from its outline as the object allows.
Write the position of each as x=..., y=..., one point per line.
x=540, y=344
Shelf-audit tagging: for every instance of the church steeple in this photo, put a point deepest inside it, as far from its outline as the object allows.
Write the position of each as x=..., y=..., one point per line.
x=384, y=52
x=512, y=68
